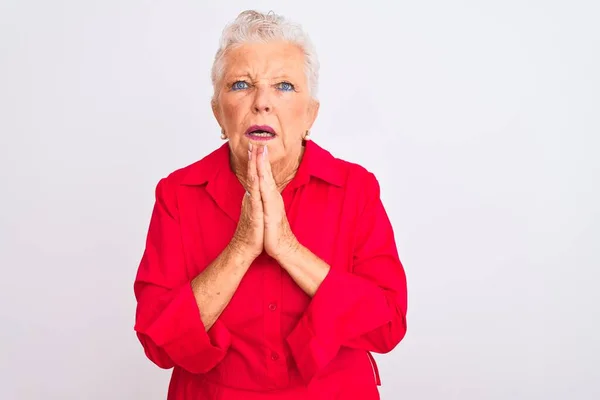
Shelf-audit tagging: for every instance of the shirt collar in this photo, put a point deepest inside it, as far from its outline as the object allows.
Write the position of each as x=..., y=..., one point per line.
x=208, y=167
x=316, y=162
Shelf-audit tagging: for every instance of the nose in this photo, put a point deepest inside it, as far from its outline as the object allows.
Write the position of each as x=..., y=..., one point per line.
x=262, y=101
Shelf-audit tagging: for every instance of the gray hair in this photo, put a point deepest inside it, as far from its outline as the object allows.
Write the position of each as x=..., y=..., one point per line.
x=253, y=26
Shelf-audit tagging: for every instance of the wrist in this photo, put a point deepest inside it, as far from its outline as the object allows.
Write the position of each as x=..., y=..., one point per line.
x=288, y=251
x=240, y=254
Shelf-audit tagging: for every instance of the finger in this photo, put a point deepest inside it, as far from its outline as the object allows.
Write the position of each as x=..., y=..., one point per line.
x=254, y=186
x=268, y=172
x=268, y=188
x=249, y=168
x=267, y=182
x=259, y=156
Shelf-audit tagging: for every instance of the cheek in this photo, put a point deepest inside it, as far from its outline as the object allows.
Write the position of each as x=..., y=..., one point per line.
x=229, y=111
x=291, y=107
x=233, y=115
x=295, y=116
x=296, y=108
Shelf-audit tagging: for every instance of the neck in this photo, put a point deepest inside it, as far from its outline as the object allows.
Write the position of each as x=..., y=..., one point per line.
x=283, y=170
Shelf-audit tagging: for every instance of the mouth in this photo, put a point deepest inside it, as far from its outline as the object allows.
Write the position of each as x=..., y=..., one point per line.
x=260, y=132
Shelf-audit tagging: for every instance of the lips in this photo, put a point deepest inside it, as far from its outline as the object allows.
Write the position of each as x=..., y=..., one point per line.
x=260, y=132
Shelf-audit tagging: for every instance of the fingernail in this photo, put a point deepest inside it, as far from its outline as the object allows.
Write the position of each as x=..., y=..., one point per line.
x=249, y=155
x=249, y=146
x=265, y=153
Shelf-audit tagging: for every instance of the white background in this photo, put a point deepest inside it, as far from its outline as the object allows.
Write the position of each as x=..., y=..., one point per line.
x=480, y=119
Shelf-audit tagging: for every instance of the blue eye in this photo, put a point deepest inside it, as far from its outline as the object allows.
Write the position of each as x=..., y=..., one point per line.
x=239, y=85
x=285, y=86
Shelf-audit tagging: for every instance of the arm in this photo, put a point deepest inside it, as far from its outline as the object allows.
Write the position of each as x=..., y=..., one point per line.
x=214, y=287
x=177, y=319
x=363, y=309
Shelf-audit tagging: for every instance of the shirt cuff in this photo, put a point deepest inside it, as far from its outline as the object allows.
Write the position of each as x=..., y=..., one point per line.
x=180, y=333
x=344, y=306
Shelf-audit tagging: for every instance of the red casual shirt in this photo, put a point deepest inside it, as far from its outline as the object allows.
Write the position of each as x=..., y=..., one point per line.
x=272, y=341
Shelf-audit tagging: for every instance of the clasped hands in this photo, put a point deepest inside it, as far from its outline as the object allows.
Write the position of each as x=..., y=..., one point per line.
x=263, y=223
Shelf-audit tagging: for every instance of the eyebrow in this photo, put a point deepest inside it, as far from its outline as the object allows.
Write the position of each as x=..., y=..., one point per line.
x=240, y=75
x=283, y=76
x=280, y=75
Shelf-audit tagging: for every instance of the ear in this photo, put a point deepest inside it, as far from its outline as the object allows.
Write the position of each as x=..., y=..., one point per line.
x=312, y=112
x=216, y=110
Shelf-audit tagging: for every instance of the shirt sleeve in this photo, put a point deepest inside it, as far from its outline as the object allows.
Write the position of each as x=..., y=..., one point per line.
x=365, y=308
x=168, y=322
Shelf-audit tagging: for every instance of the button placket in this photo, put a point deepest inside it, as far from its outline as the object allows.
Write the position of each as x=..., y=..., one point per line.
x=276, y=363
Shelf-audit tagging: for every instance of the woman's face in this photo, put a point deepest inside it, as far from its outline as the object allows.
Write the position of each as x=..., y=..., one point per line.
x=263, y=98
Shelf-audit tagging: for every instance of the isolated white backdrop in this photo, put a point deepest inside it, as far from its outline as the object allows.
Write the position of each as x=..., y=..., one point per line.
x=480, y=119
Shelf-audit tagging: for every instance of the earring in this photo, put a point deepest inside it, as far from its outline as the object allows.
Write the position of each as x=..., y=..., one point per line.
x=223, y=135
x=307, y=135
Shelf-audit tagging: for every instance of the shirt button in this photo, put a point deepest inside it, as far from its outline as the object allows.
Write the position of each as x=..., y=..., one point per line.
x=274, y=356
x=272, y=306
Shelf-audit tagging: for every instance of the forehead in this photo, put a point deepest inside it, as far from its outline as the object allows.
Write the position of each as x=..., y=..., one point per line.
x=265, y=59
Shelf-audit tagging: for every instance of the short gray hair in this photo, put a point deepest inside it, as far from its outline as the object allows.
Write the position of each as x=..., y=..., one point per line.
x=253, y=26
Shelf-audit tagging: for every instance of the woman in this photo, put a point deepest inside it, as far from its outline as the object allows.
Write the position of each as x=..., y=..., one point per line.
x=270, y=269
